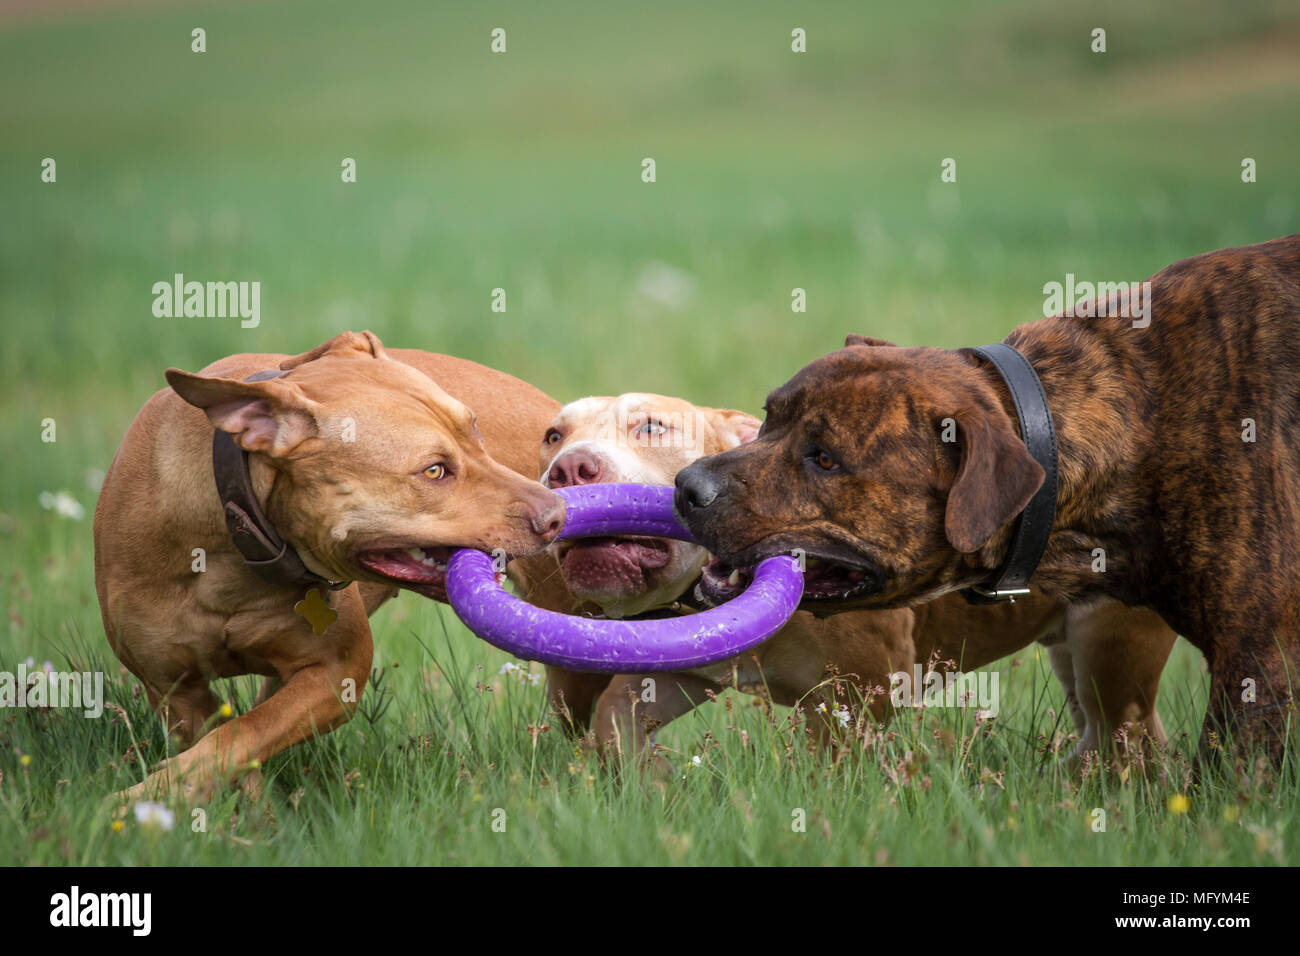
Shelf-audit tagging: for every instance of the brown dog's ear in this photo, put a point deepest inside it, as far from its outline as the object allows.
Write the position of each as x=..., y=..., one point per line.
x=271, y=417
x=854, y=339
x=995, y=481
x=346, y=344
x=733, y=427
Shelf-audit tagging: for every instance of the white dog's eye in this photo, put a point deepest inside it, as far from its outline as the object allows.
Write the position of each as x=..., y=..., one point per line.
x=552, y=436
x=652, y=427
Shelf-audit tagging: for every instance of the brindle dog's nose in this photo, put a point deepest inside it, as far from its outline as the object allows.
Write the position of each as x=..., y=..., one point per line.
x=697, y=488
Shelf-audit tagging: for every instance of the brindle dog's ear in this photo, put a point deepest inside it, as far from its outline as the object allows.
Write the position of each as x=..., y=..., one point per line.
x=854, y=339
x=995, y=481
x=345, y=344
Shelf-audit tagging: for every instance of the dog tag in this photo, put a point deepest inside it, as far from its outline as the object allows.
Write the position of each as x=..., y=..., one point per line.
x=316, y=612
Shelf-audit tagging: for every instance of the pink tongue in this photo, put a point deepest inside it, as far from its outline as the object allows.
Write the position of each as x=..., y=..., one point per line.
x=634, y=552
x=401, y=566
x=622, y=559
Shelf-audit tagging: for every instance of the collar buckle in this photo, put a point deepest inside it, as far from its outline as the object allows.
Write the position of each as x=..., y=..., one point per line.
x=997, y=596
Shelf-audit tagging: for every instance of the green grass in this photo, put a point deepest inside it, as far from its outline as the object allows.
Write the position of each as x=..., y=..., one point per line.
x=522, y=171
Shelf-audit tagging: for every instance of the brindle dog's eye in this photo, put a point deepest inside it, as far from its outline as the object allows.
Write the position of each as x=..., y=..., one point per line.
x=825, y=460
x=435, y=472
x=552, y=436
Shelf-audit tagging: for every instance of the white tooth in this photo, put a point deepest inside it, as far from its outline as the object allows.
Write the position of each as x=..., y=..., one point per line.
x=417, y=553
x=735, y=578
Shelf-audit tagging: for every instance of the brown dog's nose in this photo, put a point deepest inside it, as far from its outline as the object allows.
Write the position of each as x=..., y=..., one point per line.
x=548, y=519
x=574, y=468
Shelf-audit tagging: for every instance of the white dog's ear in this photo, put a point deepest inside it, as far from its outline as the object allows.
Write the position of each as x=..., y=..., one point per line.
x=733, y=427
x=272, y=417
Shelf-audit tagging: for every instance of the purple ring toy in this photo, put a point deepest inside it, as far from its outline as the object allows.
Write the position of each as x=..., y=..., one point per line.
x=610, y=646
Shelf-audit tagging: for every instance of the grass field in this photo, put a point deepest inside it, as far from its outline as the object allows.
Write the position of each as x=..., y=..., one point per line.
x=522, y=171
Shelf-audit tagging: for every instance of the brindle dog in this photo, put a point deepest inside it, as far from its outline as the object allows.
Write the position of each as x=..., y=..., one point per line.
x=1179, y=451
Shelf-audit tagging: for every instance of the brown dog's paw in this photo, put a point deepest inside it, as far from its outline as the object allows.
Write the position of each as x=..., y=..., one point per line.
x=168, y=785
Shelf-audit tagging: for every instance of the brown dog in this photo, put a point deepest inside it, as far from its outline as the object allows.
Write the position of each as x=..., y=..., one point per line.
x=1179, y=483
x=1108, y=658
x=370, y=472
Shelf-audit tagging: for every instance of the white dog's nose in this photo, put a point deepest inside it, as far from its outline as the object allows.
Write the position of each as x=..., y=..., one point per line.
x=575, y=468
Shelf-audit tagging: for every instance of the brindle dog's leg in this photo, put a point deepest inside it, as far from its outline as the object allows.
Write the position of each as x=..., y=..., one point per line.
x=1252, y=702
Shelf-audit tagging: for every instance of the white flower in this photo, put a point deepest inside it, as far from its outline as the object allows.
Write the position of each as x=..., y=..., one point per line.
x=821, y=708
x=62, y=504
x=842, y=715
x=666, y=285
x=521, y=673
x=696, y=760
x=154, y=815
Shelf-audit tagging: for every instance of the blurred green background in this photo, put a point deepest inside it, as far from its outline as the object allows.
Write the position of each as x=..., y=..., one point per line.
x=522, y=170
x=775, y=170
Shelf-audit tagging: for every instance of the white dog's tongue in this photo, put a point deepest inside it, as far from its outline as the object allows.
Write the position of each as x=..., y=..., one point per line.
x=601, y=562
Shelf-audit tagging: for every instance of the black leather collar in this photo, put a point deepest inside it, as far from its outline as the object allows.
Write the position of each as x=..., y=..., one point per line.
x=1034, y=525
x=251, y=531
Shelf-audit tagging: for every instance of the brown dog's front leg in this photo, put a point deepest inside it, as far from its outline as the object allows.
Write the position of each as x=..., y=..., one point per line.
x=634, y=706
x=320, y=691
x=574, y=695
x=1116, y=656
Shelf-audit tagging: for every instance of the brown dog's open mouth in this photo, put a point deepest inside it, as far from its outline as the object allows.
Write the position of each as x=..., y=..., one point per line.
x=612, y=565
x=823, y=580
x=423, y=570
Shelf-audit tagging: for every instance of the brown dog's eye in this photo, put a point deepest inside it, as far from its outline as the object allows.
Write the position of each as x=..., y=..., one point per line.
x=552, y=436
x=435, y=472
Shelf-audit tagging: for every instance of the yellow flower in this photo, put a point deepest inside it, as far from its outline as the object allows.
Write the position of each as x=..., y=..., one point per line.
x=1179, y=803
x=117, y=826
x=25, y=760
x=226, y=710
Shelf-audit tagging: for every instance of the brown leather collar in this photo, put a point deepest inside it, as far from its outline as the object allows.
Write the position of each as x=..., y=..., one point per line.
x=252, y=532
